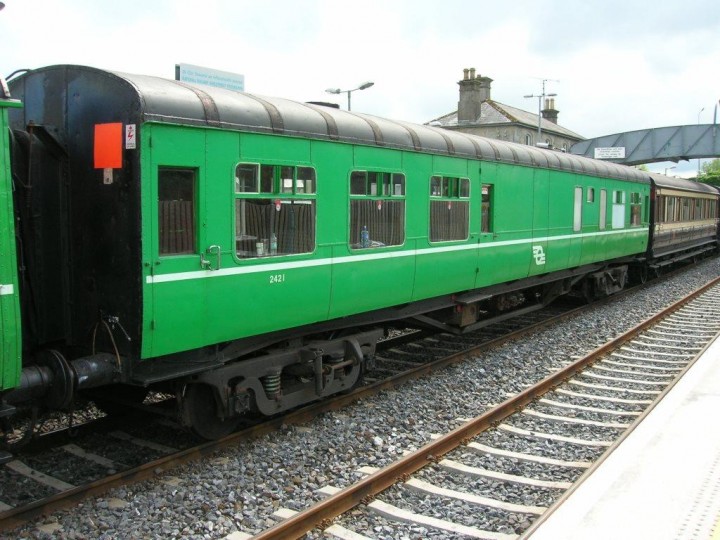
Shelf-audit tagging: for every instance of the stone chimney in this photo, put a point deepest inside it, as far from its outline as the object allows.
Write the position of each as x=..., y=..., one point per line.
x=473, y=91
x=550, y=113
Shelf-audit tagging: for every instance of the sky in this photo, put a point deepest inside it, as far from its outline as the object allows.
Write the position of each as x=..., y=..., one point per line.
x=614, y=65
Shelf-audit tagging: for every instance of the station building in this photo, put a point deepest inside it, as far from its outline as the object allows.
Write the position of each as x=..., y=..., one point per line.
x=479, y=114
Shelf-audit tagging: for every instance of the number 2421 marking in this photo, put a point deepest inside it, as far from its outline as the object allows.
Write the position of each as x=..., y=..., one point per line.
x=277, y=278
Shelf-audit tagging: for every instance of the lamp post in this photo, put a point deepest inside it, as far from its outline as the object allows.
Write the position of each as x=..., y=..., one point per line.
x=701, y=110
x=669, y=169
x=540, y=99
x=363, y=86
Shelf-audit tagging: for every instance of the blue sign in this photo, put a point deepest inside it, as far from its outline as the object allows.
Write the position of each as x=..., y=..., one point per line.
x=210, y=77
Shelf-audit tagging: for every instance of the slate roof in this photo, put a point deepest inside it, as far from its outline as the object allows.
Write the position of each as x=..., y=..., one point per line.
x=493, y=113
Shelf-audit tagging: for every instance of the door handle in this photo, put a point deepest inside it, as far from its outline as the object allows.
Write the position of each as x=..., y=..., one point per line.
x=206, y=264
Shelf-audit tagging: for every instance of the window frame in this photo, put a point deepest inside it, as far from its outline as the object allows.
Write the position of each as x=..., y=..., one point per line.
x=195, y=171
x=276, y=195
x=635, y=209
x=488, y=210
x=577, y=208
x=383, y=188
x=453, y=189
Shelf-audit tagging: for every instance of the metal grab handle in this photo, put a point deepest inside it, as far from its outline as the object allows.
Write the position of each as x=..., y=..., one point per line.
x=206, y=264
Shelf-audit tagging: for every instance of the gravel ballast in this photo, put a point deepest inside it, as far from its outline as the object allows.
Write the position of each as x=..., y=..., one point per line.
x=240, y=488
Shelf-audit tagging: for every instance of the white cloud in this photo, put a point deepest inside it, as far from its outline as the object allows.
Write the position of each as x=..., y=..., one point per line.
x=621, y=66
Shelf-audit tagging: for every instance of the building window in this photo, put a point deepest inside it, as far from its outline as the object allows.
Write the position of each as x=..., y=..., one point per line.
x=449, y=208
x=177, y=211
x=377, y=209
x=274, y=210
x=528, y=140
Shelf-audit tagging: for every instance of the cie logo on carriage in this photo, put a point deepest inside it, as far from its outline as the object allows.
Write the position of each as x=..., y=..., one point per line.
x=539, y=255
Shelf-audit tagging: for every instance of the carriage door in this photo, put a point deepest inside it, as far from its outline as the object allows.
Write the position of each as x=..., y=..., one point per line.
x=175, y=284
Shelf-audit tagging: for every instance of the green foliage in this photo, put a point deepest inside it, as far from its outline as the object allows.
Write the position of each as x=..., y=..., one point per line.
x=710, y=172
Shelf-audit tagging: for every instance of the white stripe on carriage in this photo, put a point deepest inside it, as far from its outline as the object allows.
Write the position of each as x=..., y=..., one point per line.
x=290, y=265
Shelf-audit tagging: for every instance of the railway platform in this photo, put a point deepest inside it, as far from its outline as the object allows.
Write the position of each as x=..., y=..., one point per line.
x=663, y=480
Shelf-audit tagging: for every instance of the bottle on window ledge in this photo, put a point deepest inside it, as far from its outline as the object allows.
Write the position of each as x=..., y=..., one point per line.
x=273, y=244
x=365, y=237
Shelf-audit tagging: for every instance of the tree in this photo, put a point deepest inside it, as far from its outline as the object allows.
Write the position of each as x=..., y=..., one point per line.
x=710, y=172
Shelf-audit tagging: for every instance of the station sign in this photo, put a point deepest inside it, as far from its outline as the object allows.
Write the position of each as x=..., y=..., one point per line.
x=210, y=77
x=610, y=152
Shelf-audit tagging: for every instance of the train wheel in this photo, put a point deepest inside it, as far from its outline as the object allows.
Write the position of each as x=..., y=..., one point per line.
x=198, y=410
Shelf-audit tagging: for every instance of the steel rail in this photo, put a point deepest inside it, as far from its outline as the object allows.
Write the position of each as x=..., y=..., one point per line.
x=322, y=513
x=20, y=515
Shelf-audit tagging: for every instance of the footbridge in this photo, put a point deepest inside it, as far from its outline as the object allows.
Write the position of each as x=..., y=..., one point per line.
x=677, y=143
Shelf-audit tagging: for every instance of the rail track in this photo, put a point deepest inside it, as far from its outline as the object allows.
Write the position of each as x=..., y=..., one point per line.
x=64, y=466
x=52, y=468
x=592, y=403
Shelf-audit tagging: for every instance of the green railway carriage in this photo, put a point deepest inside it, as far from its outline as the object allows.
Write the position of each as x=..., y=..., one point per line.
x=10, y=324
x=185, y=228
x=328, y=273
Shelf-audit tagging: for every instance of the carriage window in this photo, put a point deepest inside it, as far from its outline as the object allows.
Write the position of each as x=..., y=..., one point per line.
x=176, y=210
x=449, y=208
x=618, y=210
x=603, y=209
x=635, y=209
x=246, y=179
x=274, y=210
x=710, y=208
x=670, y=208
x=577, y=214
x=377, y=209
x=486, y=213
x=591, y=195
x=685, y=209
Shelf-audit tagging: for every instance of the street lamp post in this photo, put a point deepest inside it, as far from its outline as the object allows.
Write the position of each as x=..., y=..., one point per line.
x=363, y=86
x=700, y=112
x=669, y=169
x=540, y=99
